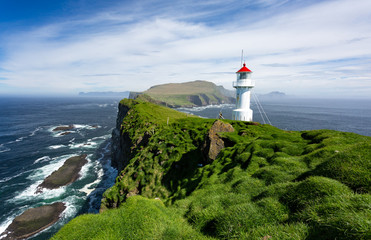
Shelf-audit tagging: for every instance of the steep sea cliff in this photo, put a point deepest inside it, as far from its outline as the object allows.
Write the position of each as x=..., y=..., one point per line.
x=182, y=176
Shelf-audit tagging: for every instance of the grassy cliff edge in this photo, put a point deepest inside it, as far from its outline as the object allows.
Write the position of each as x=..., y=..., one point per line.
x=265, y=182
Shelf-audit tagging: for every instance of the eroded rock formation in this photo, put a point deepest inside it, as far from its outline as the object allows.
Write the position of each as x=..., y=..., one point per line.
x=213, y=143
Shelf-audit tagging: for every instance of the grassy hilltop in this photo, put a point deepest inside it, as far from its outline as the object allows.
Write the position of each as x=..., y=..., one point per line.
x=265, y=183
x=188, y=94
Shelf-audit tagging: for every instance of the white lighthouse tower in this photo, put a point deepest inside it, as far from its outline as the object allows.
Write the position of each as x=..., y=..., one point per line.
x=243, y=93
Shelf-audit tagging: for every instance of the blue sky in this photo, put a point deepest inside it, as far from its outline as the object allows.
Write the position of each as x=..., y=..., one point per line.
x=303, y=48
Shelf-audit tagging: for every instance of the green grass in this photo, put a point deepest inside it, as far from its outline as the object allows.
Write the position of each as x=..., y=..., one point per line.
x=265, y=182
x=138, y=218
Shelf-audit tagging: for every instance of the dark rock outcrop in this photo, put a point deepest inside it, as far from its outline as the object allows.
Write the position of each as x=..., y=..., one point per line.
x=33, y=220
x=63, y=128
x=66, y=174
x=213, y=143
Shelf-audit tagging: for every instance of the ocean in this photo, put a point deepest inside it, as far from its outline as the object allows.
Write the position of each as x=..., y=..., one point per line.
x=30, y=150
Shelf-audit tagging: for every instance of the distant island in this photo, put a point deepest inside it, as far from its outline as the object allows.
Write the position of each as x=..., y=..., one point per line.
x=194, y=94
x=188, y=94
x=274, y=94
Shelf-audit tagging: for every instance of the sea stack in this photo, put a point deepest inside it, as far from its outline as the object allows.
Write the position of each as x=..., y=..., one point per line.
x=243, y=85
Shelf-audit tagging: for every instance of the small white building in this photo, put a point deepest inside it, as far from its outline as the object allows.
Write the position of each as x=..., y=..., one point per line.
x=243, y=86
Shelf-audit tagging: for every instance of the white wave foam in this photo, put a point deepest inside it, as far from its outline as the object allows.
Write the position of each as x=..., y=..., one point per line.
x=89, y=143
x=100, y=169
x=20, y=139
x=104, y=137
x=88, y=187
x=83, y=145
x=81, y=126
x=85, y=170
x=4, y=149
x=198, y=109
x=30, y=192
x=61, y=134
x=71, y=203
x=35, y=131
x=10, y=178
x=42, y=159
x=90, y=127
x=56, y=146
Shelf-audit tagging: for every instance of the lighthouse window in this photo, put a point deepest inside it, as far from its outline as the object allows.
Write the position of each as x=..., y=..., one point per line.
x=243, y=75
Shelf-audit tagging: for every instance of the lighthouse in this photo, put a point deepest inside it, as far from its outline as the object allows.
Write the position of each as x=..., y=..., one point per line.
x=243, y=86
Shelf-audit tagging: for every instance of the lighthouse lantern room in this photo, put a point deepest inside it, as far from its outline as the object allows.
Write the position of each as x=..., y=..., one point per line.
x=243, y=86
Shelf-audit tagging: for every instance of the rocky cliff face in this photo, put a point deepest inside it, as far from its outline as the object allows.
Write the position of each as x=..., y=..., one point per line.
x=121, y=144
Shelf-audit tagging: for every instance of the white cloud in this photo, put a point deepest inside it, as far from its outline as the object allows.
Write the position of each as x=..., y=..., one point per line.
x=325, y=45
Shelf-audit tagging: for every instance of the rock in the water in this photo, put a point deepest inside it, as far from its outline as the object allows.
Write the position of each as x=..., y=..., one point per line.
x=66, y=174
x=213, y=143
x=63, y=128
x=33, y=221
x=65, y=133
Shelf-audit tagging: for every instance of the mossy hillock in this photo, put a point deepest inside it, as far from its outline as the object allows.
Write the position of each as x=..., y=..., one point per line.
x=265, y=183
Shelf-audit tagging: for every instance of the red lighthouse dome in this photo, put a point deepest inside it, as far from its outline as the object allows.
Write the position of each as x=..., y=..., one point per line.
x=244, y=69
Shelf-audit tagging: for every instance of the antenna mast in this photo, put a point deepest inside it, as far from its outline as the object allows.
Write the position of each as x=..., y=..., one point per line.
x=241, y=57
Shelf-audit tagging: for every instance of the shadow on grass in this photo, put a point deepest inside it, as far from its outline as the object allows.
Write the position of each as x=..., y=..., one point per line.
x=181, y=174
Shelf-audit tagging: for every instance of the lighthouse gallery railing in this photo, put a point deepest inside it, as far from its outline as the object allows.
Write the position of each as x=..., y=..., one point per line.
x=244, y=83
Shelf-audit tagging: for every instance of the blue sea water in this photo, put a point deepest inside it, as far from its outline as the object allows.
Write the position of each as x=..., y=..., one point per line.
x=347, y=115
x=30, y=150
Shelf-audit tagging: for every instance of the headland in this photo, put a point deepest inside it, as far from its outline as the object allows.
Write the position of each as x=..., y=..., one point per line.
x=186, y=177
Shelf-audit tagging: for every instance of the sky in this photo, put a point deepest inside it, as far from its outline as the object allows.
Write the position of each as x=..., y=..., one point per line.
x=303, y=48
